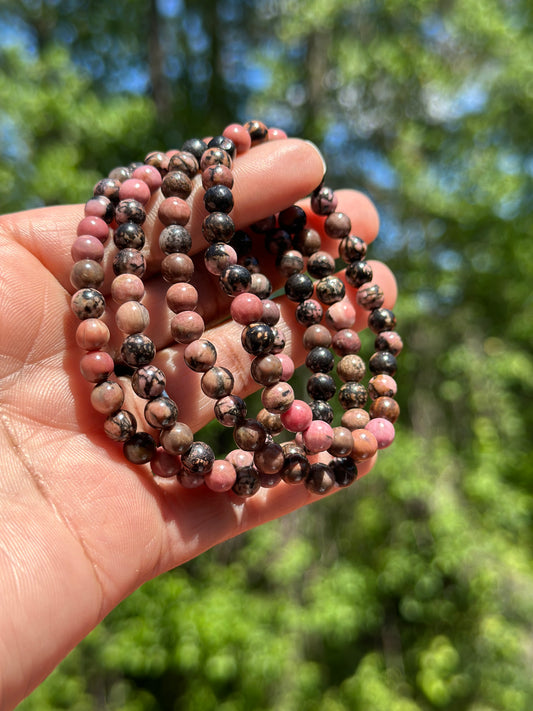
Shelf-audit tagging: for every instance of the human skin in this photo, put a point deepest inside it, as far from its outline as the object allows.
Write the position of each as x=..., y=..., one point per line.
x=80, y=527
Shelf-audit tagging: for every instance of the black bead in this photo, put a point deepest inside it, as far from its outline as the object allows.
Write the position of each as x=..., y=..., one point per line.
x=262, y=226
x=320, y=360
x=309, y=312
x=222, y=142
x=129, y=261
x=352, y=249
x=330, y=289
x=132, y=210
x=218, y=227
x=198, y=459
x=292, y=219
x=321, y=386
x=175, y=239
x=248, y=481
x=241, y=243
x=279, y=341
x=381, y=320
x=295, y=465
x=257, y=338
x=299, y=287
x=129, y=234
x=140, y=448
x=344, y=470
x=235, y=279
x=383, y=362
x=320, y=479
x=195, y=146
x=218, y=198
x=352, y=394
x=277, y=242
x=323, y=200
x=322, y=410
x=358, y=273
x=320, y=265
x=250, y=262
x=137, y=350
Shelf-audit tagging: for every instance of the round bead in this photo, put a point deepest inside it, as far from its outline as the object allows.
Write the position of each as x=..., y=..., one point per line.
x=240, y=458
x=247, y=482
x=219, y=256
x=108, y=187
x=157, y=160
x=217, y=382
x=188, y=480
x=87, y=303
x=214, y=156
x=94, y=226
x=129, y=261
x=266, y=369
x=318, y=437
x=323, y=201
x=358, y=273
x=161, y=413
x=120, y=426
x=352, y=249
x=239, y=136
x=351, y=367
x=96, y=366
x=370, y=296
x=200, y=355
x=150, y=175
x=92, y=334
x=320, y=360
x=137, y=350
x=174, y=211
x=217, y=175
x=345, y=342
x=260, y=286
x=344, y=470
x=182, y=296
x=175, y=238
x=257, y=338
x=178, y=439
x=292, y=219
x=223, y=142
x=186, y=326
x=100, y=206
x=309, y=312
x=132, y=317
x=383, y=430
x=340, y=315
x=382, y=385
x=386, y=408
x=299, y=287
x=277, y=398
x=330, y=289
x=296, y=465
x=222, y=476
x=316, y=335
x=322, y=410
x=365, y=445
x=130, y=211
x=271, y=312
x=307, y=241
x=277, y=242
x=186, y=161
x=87, y=247
x=120, y=173
x=389, y=341
x=230, y=410
x=290, y=262
x=134, y=189
x=148, y=382
x=342, y=442
x=321, y=386
x=246, y=308
x=355, y=418
x=352, y=394
x=269, y=459
x=177, y=268
x=382, y=362
x=129, y=234
x=287, y=365
x=176, y=184
x=298, y=417
x=257, y=130
x=235, y=279
x=337, y=225
x=127, y=287
x=271, y=422
x=320, y=479
x=381, y=320
x=276, y=134
x=164, y=464
x=320, y=265
x=140, y=448
x=198, y=459
x=196, y=147
x=218, y=198
x=250, y=435
x=218, y=227
x=241, y=243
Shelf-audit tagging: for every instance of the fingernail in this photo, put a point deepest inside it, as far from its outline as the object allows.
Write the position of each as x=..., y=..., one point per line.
x=317, y=149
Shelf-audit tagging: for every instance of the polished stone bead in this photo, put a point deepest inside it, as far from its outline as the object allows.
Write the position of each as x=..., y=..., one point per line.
x=87, y=303
x=87, y=247
x=247, y=482
x=218, y=198
x=352, y=249
x=382, y=386
x=218, y=227
x=386, y=408
x=257, y=130
x=130, y=211
x=382, y=362
x=358, y=273
x=279, y=341
x=129, y=261
x=320, y=479
x=323, y=201
x=158, y=160
x=200, y=355
x=176, y=184
x=298, y=417
x=295, y=465
x=185, y=161
x=250, y=262
x=240, y=458
x=109, y=188
x=195, y=146
x=381, y=320
x=100, y=206
x=161, y=413
x=321, y=386
x=137, y=350
x=290, y=262
x=355, y=418
x=129, y=234
x=277, y=242
x=150, y=175
x=389, y=341
x=186, y=326
x=86, y=273
x=351, y=367
x=148, y=382
x=383, y=430
x=276, y=134
x=175, y=238
x=337, y=225
x=342, y=442
x=217, y=382
x=241, y=243
x=188, y=480
x=215, y=156
x=344, y=470
x=318, y=437
x=235, y=279
x=219, y=256
x=92, y=334
x=266, y=369
x=309, y=312
x=277, y=398
x=270, y=421
x=182, y=296
x=178, y=439
x=271, y=312
x=96, y=366
x=370, y=296
x=239, y=136
x=120, y=426
x=217, y=175
x=320, y=265
x=257, y=338
x=223, y=142
x=174, y=211
x=250, y=435
x=246, y=308
x=299, y=287
x=127, y=287
x=134, y=189
x=292, y=219
x=222, y=476
x=345, y=342
x=198, y=459
x=269, y=459
x=322, y=410
x=330, y=290
x=120, y=173
x=132, y=317
x=260, y=286
x=320, y=360
x=230, y=410
x=316, y=335
x=340, y=315
x=177, y=267
x=365, y=445
x=164, y=464
x=352, y=394
x=140, y=448
x=307, y=241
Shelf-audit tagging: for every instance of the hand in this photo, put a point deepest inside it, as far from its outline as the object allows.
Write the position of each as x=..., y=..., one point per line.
x=80, y=528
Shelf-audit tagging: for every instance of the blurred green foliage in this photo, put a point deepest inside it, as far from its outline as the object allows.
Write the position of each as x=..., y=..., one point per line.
x=412, y=590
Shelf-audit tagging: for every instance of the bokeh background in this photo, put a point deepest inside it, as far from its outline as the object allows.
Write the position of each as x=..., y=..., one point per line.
x=413, y=590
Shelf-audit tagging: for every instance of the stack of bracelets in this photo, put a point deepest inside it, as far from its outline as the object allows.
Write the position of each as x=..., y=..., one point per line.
x=118, y=207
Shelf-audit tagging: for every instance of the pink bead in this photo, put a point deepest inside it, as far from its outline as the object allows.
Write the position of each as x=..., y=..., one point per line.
x=107, y=397
x=96, y=366
x=99, y=206
x=318, y=436
x=127, y=287
x=182, y=297
x=92, y=334
x=186, y=326
x=239, y=135
x=94, y=226
x=132, y=317
x=276, y=134
x=87, y=247
x=298, y=417
x=340, y=315
x=150, y=175
x=221, y=477
x=174, y=211
x=240, y=458
x=383, y=430
x=287, y=365
x=134, y=189
x=164, y=464
x=246, y=308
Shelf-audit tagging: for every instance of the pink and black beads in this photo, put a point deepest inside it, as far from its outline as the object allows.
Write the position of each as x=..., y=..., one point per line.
x=304, y=427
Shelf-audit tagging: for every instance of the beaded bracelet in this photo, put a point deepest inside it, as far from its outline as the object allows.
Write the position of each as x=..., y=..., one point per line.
x=120, y=201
